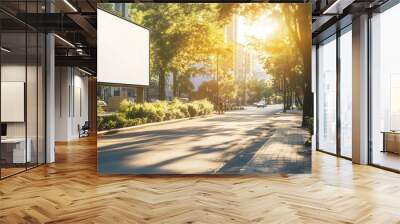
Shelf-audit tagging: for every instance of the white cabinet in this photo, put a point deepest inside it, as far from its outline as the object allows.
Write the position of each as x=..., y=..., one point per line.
x=19, y=155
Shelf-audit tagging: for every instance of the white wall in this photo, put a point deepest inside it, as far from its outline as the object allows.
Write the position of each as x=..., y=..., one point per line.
x=122, y=51
x=62, y=83
x=71, y=87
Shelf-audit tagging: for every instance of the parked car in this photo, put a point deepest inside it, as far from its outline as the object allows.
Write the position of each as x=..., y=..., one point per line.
x=260, y=103
x=184, y=99
x=101, y=103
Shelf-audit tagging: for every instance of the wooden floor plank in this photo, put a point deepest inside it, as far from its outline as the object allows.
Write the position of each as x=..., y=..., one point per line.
x=70, y=191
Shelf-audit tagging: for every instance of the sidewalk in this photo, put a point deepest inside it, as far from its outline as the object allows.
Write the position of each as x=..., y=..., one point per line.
x=284, y=151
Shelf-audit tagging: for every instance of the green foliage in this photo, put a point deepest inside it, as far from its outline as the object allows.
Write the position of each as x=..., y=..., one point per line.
x=193, y=109
x=287, y=54
x=205, y=106
x=153, y=112
x=124, y=106
x=111, y=121
x=258, y=90
x=182, y=35
x=226, y=90
x=200, y=107
x=309, y=124
x=182, y=107
x=132, y=114
x=207, y=90
x=99, y=109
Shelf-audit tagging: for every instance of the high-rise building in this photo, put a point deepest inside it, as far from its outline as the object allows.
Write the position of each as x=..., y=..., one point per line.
x=241, y=56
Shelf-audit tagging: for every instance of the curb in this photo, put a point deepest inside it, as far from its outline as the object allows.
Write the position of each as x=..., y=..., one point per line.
x=117, y=130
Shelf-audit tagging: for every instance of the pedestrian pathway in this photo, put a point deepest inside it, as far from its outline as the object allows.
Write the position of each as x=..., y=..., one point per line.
x=254, y=140
x=284, y=151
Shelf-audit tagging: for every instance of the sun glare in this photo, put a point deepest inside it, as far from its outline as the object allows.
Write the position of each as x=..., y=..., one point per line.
x=262, y=28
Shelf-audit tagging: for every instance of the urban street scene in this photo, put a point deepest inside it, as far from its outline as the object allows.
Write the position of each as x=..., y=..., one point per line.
x=204, y=88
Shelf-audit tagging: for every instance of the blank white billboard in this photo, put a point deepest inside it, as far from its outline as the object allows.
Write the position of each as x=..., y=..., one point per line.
x=122, y=51
x=12, y=101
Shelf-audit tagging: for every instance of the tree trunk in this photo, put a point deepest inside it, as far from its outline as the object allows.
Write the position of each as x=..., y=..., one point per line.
x=287, y=103
x=284, y=95
x=308, y=101
x=303, y=24
x=161, y=86
x=299, y=101
x=175, y=84
x=291, y=98
x=308, y=105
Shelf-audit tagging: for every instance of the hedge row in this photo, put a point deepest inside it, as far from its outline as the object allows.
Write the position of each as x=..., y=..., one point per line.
x=131, y=114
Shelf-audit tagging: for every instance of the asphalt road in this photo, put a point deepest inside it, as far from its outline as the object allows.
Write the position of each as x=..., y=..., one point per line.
x=216, y=144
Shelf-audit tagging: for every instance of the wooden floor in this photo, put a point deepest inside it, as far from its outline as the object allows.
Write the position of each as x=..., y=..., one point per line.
x=70, y=191
x=387, y=159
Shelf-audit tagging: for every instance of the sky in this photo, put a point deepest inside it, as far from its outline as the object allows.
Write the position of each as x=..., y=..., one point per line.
x=263, y=27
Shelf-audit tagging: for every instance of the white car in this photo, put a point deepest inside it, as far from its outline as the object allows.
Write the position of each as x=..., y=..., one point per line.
x=260, y=104
x=101, y=103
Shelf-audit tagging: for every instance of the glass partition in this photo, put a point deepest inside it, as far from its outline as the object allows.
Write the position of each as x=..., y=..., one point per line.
x=22, y=98
x=31, y=98
x=327, y=95
x=13, y=87
x=41, y=97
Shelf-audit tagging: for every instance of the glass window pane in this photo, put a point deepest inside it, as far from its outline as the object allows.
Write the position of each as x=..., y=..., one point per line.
x=41, y=98
x=327, y=96
x=385, y=84
x=31, y=98
x=346, y=94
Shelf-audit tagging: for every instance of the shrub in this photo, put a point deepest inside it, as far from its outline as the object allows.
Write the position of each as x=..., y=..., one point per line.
x=134, y=122
x=193, y=109
x=99, y=122
x=182, y=107
x=125, y=106
x=206, y=106
x=168, y=116
x=111, y=121
x=131, y=114
x=109, y=124
x=174, y=113
x=184, y=110
x=160, y=108
x=308, y=123
x=100, y=108
x=152, y=112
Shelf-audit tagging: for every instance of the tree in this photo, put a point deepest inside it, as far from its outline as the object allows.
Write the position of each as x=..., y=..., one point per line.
x=224, y=91
x=207, y=90
x=288, y=56
x=298, y=21
x=258, y=90
x=182, y=35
